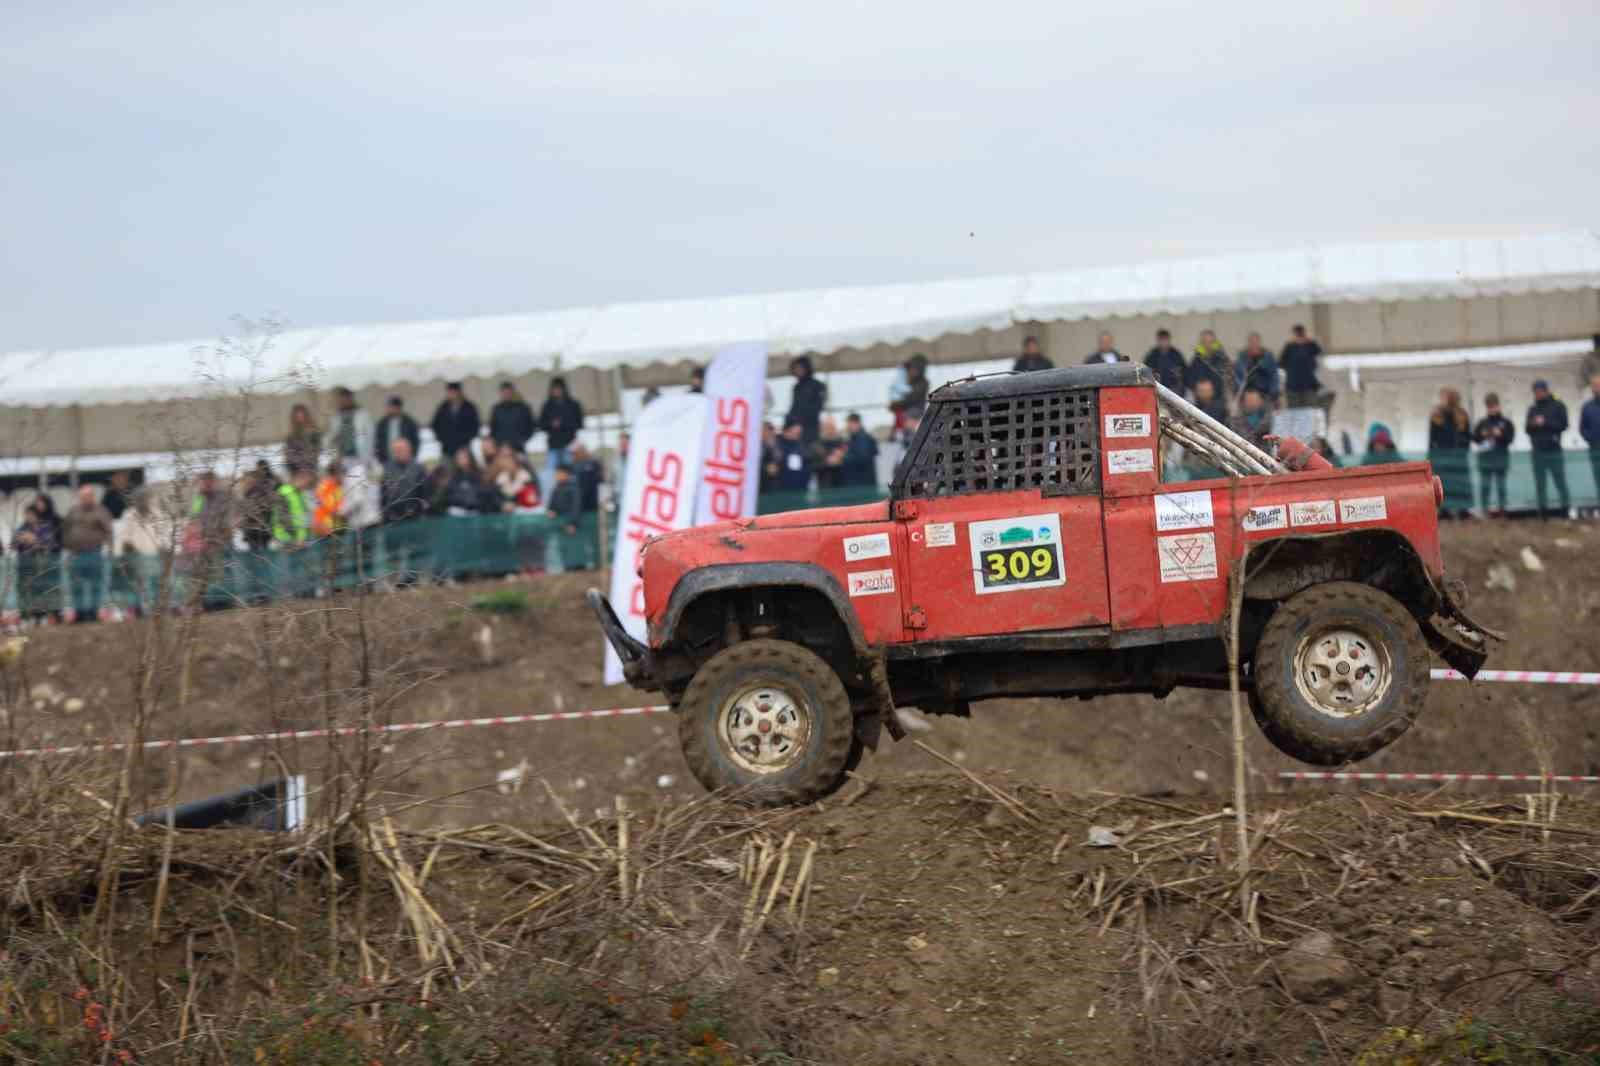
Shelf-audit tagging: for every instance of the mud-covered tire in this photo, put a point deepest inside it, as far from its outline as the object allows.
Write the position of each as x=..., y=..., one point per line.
x=1290, y=699
x=720, y=688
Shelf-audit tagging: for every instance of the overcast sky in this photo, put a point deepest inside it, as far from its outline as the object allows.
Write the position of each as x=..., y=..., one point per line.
x=169, y=165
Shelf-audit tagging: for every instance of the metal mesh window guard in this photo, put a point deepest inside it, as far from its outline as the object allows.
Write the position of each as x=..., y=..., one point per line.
x=1042, y=441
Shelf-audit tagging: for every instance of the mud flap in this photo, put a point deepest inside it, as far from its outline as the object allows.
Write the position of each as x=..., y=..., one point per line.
x=1456, y=638
x=881, y=714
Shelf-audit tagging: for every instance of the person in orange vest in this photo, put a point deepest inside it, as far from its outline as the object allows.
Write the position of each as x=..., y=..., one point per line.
x=326, y=517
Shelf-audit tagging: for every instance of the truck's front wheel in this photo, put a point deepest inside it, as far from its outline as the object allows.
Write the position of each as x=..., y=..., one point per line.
x=1340, y=672
x=770, y=720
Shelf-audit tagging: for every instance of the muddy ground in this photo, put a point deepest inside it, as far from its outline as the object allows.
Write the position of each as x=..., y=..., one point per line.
x=949, y=926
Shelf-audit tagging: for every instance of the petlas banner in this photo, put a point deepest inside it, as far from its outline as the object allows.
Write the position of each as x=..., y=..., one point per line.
x=660, y=487
x=730, y=472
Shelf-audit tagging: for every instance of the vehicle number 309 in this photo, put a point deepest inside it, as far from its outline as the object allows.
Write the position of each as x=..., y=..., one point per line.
x=1020, y=566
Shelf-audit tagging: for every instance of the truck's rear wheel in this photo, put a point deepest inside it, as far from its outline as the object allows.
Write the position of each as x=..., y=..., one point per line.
x=1341, y=671
x=770, y=720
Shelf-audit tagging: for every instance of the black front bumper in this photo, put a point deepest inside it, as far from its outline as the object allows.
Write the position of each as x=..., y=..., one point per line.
x=638, y=666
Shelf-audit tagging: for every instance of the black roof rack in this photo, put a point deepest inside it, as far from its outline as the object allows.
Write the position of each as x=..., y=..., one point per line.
x=1093, y=376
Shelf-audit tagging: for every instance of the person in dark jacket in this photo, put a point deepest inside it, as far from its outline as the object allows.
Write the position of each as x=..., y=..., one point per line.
x=1166, y=362
x=404, y=491
x=589, y=474
x=115, y=499
x=455, y=421
x=1493, y=434
x=1105, y=352
x=1032, y=357
x=511, y=420
x=697, y=380
x=1298, y=361
x=1256, y=369
x=1211, y=362
x=560, y=418
x=1254, y=420
x=260, y=496
x=1589, y=428
x=36, y=541
x=859, y=467
x=810, y=397
x=909, y=391
x=1206, y=398
x=566, y=507
x=395, y=425
x=794, y=459
x=1547, y=420
x=771, y=459
x=1449, y=435
x=468, y=492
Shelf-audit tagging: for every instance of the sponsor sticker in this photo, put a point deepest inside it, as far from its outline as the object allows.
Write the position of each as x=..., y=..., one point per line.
x=1275, y=516
x=1187, y=557
x=870, y=546
x=940, y=534
x=1312, y=513
x=1127, y=425
x=1364, y=509
x=1012, y=554
x=1131, y=460
x=1183, y=510
x=871, y=582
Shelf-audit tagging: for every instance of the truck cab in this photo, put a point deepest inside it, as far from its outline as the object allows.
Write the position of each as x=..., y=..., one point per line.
x=1044, y=537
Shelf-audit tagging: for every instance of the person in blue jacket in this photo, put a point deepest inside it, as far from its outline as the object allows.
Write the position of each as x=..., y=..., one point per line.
x=1256, y=369
x=860, y=465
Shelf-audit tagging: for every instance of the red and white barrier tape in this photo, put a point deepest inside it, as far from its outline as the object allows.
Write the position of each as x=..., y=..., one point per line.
x=345, y=731
x=1534, y=677
x=1371, y=775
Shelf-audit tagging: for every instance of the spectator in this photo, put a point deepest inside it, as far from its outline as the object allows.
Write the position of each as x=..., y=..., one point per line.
x=211, y=516
x=352, y=429
x=403, y=492
x=1254, y=420
x=115, y=499
x=771, y=459
x=86, y=533
x=1321, y=446
x=697, y=379
x=1547, y=420
x=302, y=449
x=810, y=397
x=291, y=518
x=794, y=473
x=1380, y=446
x=469, y=493
x=1211, y=362
x=909, y=390
x=396, y=425
x=1032, y=357
x=1591, y=362
x=566, y=508
x=1166, y=362
x=859, y=467
x=1105, y=351
x=827, y=453
x=1494, y=434
x=1206, y=398
x=651, y=395
x=561, y=417
x=455, y=421
x=36, y=541
x=518, y=488
x=1256, y=369
x=1448, y=438
x=1300, y=385
x=619, y=469
x=438, y=487
x=511, y=420
x=136, y=533
x=327, y=518
x=1589, y=429
x=589, y=474
x=260, y=495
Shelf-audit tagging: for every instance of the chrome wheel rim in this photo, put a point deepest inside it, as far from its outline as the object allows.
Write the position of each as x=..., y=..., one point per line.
x=1342, y=671
x=764, y=729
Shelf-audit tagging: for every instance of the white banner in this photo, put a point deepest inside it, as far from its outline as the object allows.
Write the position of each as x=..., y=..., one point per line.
x=658, y=497
x=735, y=383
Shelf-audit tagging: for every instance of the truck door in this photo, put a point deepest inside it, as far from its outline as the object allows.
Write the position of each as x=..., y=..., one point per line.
x=1001, y=508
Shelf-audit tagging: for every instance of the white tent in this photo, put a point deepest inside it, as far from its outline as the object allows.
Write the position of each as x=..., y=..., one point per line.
x=1370, y=297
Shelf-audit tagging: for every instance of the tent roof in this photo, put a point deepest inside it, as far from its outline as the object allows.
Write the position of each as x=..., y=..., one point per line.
x=824, y=320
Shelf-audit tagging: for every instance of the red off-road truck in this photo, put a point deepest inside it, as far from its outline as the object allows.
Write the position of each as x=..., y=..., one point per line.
x=1039, y=541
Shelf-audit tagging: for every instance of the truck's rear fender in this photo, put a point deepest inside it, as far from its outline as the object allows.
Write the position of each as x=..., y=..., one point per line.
x=1384, y=559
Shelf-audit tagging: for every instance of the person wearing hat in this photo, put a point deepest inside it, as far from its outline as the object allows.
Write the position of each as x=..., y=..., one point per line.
x=455, y=421
x=1547, y=420
x=511, y=420
x=395, y=425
